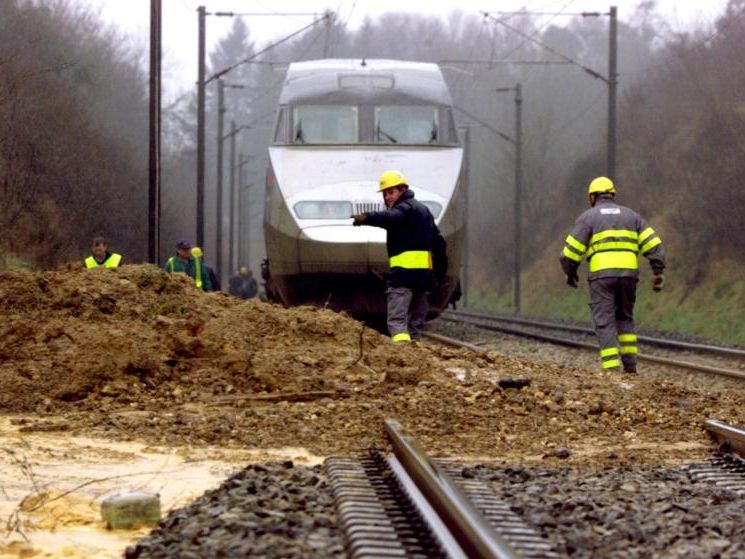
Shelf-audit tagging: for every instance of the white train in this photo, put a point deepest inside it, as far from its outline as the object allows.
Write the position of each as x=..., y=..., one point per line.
x=340, y=124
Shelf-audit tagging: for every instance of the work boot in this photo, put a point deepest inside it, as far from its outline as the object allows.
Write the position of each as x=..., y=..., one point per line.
x=629, y=365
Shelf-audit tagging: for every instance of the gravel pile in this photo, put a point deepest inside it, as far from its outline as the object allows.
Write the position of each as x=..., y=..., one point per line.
x=271, y=511
x=622, y=513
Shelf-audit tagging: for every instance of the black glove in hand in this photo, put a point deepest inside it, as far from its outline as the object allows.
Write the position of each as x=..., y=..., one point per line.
x=658, y=282
x=572, y=279
x=359, y=219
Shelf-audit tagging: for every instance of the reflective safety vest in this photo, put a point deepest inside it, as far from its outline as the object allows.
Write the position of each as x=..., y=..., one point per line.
x=112, y=261
x=171, y=267
x=611, y=237
x=412, y=260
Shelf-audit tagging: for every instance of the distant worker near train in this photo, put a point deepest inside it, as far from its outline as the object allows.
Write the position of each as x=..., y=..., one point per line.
x=101, y=257
x=612, y=236
x=190, y=262
x=416, y=251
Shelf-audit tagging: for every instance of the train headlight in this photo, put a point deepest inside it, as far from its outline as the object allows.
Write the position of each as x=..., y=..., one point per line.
x=317, y=209
x=434, y=207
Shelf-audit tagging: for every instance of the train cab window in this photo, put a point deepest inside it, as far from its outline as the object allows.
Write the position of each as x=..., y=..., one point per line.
x=324, y=124
x=406, y=124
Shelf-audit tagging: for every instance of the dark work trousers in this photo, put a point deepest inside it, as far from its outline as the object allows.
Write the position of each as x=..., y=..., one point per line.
x=407, y=311
x=612, y=307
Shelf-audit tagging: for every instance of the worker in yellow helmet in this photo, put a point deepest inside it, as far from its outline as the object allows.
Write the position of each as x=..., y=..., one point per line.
x=611, y=236
x=101, y=257
x=416, y=251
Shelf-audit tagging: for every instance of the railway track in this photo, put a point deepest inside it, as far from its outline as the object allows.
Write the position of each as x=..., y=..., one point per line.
x=726, y=469
x=408, y=505
x=537, y=330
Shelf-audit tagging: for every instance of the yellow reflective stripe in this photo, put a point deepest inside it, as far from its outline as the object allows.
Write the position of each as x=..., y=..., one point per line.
x=625, y=338
x=169, y=265
x=629, y=350
x=90, y=262
x=650, y=245
x=113, y=262
x=608, y=351
x=612, y=363
x=571, y=254
x=645, y=234
x=572, y=242
x=412, y=259
x=613, y=260
x=401, y=337
x=613, y=233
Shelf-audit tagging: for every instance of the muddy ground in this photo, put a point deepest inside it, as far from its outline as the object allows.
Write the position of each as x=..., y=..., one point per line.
x=138, y=355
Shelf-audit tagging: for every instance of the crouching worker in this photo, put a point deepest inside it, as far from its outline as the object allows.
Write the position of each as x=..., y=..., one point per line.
x=191, y=264
x=414, y=242
x=101, y=257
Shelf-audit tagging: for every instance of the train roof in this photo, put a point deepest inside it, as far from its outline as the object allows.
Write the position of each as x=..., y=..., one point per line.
x=356, y=81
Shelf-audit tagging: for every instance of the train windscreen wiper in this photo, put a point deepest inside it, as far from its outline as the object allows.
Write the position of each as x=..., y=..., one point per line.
x=387, y=135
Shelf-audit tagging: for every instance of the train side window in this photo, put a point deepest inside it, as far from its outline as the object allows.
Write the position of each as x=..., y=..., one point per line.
x=406, y=124
x=280, y=136
x=325, y=124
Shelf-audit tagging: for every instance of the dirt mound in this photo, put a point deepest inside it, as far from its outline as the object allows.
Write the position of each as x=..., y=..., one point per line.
x=87, y=335
x=136, y=353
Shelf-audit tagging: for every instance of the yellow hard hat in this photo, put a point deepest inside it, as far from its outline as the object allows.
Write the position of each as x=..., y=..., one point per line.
x=196, y=252
x=601, y=184
x=389, y=179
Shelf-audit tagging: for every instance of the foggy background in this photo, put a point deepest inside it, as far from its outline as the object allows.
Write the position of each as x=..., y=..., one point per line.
x=73, y=129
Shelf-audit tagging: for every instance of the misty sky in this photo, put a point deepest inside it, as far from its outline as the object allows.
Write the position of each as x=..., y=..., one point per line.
x=180, y=20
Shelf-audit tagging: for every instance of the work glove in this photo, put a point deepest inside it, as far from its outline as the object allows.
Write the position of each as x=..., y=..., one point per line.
x=658, y=282
x=572, y=279
x=359, y=219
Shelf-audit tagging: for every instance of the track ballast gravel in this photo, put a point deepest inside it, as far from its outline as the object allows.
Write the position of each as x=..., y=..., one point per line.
x=272, y=510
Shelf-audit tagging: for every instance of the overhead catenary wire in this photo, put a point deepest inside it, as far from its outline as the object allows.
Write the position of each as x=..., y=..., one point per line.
x=262, y=51
x=546, y=47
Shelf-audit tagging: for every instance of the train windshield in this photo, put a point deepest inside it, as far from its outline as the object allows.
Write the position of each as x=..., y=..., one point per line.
x=324, y=124
x=406, y=124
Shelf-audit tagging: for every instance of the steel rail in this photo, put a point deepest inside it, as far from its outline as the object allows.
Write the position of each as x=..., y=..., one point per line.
x=469, y=527
x=730, y=435
x=660, y=342
x=584, y=345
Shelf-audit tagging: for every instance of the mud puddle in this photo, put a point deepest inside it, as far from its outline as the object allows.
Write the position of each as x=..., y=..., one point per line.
x=52, y=484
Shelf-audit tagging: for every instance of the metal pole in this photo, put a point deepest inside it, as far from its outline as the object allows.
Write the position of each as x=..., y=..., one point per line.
x=612, y=86
x=240, y=210
x=220, y=126
x=200, y=130
x=153, y=237
x=518, y=190
x=467, y=175
x=231, y=237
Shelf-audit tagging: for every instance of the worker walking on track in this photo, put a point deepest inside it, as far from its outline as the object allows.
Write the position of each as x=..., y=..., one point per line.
x=416, y=251
x=611, y=236
x=190, y=263
x=101, y=257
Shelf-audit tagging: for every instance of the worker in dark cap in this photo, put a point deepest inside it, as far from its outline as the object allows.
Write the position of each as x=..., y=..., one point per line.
x=186, y=262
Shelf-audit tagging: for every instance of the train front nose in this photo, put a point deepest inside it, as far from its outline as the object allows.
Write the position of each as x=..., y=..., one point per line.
x=342, y=249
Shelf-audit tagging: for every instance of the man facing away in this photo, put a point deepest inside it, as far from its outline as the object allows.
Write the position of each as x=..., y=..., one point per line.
x=611, y=236
x=416, y=249
x=190, y=264
x=101, y=257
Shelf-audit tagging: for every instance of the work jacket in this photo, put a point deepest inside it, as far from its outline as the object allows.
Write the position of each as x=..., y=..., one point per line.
x=611, y=236
x=415, y=246
x=194, y=268
x=110, y=260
